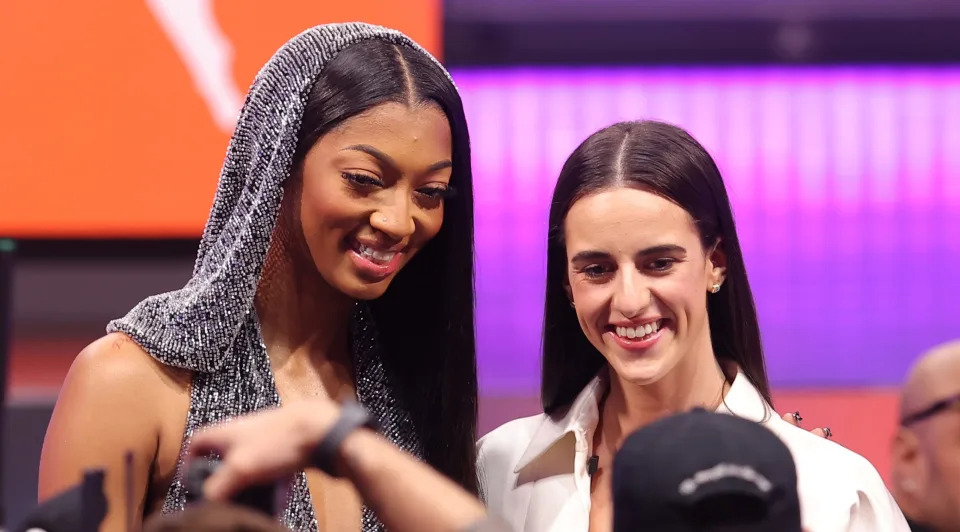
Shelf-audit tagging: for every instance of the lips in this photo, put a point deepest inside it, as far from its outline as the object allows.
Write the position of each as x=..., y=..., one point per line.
x=639, y=332
x=377, y=256
x=373, y=262
x=637, y=337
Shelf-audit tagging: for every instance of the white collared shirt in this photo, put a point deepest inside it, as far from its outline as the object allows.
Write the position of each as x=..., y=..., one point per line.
x=534, y=470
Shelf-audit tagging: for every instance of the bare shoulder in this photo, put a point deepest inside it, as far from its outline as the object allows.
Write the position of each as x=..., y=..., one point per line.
x=116, y=399
x=120, y=364
x=114, y=383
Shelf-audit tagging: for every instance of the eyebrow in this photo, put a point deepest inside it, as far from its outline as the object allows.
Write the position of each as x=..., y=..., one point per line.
x=655, y=250
x=388, y=161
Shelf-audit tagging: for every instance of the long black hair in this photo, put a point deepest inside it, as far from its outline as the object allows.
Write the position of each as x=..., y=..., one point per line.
x=426, y=317
x=666, y=161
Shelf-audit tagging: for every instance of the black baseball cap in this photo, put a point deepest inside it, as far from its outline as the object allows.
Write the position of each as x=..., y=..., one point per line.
x=704, y=471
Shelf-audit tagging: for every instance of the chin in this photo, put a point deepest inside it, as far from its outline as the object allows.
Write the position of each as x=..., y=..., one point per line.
x=640, y=367
x=639, y=374
x=362, y=290
x=643, y=370
x=355, y=285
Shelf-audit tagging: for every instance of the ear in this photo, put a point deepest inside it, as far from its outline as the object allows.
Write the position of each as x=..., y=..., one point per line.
x=905, y=445
x=716, y=263
x=908, y=471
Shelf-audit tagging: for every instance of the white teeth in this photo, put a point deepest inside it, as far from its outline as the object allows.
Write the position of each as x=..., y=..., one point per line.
x=641, y=331
x=376, y=255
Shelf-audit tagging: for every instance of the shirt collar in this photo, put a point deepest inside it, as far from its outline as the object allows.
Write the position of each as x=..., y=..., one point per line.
x=742, y=400
x=582, y=415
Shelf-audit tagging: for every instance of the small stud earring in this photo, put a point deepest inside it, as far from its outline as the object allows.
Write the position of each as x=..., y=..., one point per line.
x=715, y=288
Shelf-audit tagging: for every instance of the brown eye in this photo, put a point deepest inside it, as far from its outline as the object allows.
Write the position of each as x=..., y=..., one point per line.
x=661, y=265
x=362, y=180
x=594, y=271
x=437, y=192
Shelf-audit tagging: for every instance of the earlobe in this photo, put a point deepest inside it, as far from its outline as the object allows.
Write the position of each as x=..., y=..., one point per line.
x=905, y=453
x=904, y=445
x=908, y=485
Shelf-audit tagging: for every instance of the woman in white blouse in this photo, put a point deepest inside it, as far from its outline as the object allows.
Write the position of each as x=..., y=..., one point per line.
x=649, y=312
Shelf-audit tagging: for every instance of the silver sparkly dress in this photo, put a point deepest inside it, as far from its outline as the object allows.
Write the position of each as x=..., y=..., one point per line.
x=210, y=326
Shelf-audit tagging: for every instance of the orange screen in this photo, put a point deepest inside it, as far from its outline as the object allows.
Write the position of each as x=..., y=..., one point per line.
x=116, y=114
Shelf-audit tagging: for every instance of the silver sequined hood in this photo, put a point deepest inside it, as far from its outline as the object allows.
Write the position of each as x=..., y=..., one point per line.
x=209, y=326
x=195, y=326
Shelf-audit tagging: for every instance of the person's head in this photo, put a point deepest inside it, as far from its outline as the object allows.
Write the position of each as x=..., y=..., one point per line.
x=381, y=152
x=926, y=448
x=213, y=517
x=379, y=205
x=644, y=268
x=705, y=471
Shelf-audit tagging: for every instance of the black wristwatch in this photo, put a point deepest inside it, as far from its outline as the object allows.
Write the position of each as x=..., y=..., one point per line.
x=352, y=417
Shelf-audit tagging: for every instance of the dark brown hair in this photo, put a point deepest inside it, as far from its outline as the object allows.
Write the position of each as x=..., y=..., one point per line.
x=666, y=161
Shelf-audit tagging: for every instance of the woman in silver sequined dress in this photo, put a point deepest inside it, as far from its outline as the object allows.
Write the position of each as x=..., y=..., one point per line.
x=348, y=174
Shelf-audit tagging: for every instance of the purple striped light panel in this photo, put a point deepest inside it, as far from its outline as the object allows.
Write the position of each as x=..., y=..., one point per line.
x=845, y=184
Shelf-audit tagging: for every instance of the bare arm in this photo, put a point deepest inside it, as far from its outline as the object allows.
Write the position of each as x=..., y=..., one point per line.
x=406, y=494
x=108, y=405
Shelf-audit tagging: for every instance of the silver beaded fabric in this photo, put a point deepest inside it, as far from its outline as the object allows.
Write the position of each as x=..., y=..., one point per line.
x=209, y=326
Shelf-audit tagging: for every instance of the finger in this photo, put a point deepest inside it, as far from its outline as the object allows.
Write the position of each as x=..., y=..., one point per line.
x=823, y=433
x=231, y=477
x=213, y=440
x=793, y=418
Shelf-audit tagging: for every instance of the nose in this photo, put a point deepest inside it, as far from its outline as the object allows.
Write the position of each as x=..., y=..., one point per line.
x=394, y=219
x=631, y=293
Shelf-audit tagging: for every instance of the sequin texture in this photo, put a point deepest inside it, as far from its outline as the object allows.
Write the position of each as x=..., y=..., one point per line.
x=210, y=326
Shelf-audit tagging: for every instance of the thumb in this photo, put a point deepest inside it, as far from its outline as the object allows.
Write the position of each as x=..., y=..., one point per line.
x=207, y=441
x=225, y=482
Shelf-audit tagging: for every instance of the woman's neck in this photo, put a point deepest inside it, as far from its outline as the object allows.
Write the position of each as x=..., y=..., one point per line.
x=301, y=315
x=696, y=380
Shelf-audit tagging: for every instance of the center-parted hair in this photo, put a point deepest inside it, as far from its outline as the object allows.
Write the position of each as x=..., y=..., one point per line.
x=425, y=319
x=664, y=160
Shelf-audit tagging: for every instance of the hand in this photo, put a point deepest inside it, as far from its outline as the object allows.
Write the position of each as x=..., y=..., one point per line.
x=794, y=419
x=262, y=447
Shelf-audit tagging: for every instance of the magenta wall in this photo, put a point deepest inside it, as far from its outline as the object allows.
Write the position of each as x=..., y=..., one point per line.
x=845, y=184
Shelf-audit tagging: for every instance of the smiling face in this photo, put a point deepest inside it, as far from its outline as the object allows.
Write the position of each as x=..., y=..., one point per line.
x=638, y=277
x=372, y=195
